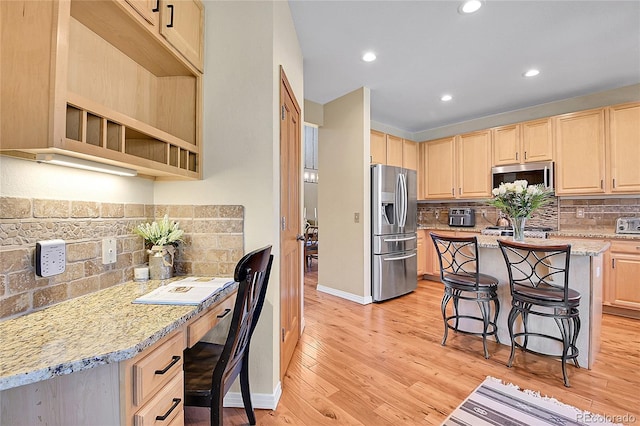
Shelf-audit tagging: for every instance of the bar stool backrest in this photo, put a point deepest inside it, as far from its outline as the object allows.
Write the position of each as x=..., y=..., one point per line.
x=457, y=256
x=544, y=267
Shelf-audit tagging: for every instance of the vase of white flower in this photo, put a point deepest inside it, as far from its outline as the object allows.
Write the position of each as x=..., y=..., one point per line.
x=518, y=200
x=161, y=238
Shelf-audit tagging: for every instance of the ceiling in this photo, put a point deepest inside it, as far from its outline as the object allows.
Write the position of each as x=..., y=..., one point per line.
x=426, y=49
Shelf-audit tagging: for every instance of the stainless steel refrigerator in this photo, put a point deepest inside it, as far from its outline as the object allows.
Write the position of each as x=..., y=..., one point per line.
x=393, y=237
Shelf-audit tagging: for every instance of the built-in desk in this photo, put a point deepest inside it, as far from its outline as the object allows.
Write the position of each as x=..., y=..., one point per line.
x=585, y=276
x=101, y=360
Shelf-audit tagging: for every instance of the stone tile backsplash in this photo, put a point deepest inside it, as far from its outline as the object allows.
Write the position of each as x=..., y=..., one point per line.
x=562, y=214
x=213, y=243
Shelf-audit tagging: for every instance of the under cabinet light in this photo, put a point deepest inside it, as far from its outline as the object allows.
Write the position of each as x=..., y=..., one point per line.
x=79, y=163
x=470, y=6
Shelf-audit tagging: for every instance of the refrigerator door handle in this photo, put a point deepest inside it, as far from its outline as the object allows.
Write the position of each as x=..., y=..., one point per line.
x=405, y=199
x=386, y=259
x=398, y=200
x=393, y=240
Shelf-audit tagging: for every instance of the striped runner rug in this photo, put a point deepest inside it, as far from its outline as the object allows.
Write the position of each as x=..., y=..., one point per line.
x=495, y=403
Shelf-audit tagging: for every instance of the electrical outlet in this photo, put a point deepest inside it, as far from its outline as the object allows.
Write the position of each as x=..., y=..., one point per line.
x=580, y=213
x=437, y=213
x=51, y=257
x=109, y=252
x=483, y=212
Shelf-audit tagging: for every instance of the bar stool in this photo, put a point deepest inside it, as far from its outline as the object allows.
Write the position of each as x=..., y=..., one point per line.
x=458, y=258
x=539, y=284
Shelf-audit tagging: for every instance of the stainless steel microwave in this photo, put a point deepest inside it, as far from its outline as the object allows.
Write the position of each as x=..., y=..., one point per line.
x=533, y=173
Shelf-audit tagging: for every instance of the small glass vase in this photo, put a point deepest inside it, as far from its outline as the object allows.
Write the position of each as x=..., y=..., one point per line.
x=518, y=228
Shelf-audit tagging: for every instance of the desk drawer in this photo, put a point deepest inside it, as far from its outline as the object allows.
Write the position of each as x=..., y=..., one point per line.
x=156, y=369
x=165, y=408
x=209, y=319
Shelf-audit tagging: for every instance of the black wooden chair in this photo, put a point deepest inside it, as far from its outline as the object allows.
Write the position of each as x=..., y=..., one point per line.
x=459, y=273
x=539, y=283
x=311, y=245
x=210, y=369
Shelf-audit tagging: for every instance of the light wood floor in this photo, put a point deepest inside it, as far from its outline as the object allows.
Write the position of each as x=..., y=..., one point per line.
x=382, y=364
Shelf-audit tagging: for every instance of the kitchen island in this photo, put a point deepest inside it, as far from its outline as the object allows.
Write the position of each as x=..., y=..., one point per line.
x=585, y=276
x=94, y=360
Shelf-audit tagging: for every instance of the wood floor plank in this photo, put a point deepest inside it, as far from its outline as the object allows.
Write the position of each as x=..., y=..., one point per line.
x=383, y=364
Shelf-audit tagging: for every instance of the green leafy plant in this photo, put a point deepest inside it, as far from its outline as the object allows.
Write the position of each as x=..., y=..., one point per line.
x=160, y=233
x=519, y=199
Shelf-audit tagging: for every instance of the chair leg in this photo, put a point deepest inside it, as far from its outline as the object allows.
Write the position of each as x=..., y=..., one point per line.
x=513, y=314
x=216, y=407
x=245, y=389
x=485, y=310
x=576, y=331
x=456, y=293
x=495, y=315
x=565, y=332
x=445, y=299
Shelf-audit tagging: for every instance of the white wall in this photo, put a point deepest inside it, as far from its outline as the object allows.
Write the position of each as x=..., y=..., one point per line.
x=245, y=44
x=344, y=189
x=28, y=179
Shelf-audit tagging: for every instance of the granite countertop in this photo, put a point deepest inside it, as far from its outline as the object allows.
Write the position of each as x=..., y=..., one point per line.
x=574, y=233
x=578, y=247
x=82, y=333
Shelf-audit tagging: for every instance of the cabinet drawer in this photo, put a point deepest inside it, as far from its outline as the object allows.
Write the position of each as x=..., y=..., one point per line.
x=156, y=369
x=165, y=408
x=631, y=247
x=209, y=319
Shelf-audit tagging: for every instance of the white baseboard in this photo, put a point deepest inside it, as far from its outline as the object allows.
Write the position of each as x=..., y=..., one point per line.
x=262, y=401
x=363, y=300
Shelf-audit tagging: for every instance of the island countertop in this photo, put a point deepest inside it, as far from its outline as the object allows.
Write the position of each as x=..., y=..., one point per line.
x=79, y=334
x=579, y=247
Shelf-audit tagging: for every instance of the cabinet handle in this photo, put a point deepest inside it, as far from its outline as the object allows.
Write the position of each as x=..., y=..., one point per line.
x=174, y=359
x=453, y=191
x=157, y=8
x=460, y=191
x=516, y=156
x=224, y=314
x=601, y=183
x=170, y=24
x=176, y=402
x=614, y=182
x=613, y=263
x=525, y=155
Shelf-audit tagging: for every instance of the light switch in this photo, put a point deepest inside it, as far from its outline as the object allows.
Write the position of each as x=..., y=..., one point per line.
x=356, y=217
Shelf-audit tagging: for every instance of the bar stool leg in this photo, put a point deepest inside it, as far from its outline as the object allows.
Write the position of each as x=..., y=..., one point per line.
x=445, y=299
x=485, y=310
x=513, y=314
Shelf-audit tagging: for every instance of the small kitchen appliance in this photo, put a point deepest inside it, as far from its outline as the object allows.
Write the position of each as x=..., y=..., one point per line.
x=462, y=217
x=534, y=173
x=628, y=225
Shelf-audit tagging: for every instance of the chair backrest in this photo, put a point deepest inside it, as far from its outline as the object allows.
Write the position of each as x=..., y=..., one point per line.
x=537, y=266
x=457, y=255
x=252, y=273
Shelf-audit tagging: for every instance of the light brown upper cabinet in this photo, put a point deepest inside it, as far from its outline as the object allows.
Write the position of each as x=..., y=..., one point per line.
x=183, y=27
x=523, y=142
x=474, y=165
x=623, y=137
x=580, y=153
x=458, y=167
x=409, y=154
x=90, y=79
x=438, y=168
x=393, y=150
x=378, y=148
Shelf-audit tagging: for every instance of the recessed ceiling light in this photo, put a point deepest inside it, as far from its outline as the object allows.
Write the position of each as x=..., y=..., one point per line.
x=369, y=57
x=470, y=6
x=446, y=98
x=531, y=73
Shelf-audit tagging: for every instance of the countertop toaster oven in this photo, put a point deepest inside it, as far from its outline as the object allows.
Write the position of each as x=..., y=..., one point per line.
x=462, y=217
x=628, y=225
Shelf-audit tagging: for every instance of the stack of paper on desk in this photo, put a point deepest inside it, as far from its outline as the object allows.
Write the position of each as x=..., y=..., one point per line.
x=189, y=291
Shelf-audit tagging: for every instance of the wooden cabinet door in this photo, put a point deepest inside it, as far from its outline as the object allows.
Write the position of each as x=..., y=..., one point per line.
x=148, y=9
x=439, y=169
x=409, y=154
x=624, y=148
x=624, y=281
x=537, y=141
x=378, y=148
x=394, y=151
x=474, y=165
x=579, y=140
x=422, y=255
x=506, y=145
x=183, y=27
